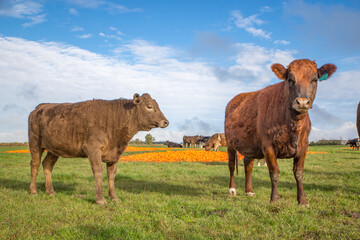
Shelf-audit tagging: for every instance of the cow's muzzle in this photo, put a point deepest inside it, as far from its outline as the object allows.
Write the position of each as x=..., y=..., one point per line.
x=301, y=104
x=164, y=123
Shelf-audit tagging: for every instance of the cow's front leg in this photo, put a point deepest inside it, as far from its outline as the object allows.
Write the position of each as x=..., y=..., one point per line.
x=298, y=169
x=111, y=171
x=95, y=162
x=274, y=172
x=248, y=166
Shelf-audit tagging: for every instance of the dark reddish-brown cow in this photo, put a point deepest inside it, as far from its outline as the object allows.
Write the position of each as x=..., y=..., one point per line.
x=216, y=140
x=97, y=129
x=274, y=123
x=188, y=140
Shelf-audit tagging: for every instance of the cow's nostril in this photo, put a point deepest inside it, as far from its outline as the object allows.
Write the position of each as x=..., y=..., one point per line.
x=297, y=101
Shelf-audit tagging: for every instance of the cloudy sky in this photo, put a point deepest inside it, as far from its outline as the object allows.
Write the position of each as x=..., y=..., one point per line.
x=191, y=56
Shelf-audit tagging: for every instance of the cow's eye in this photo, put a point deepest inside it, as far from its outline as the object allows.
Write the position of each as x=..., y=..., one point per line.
x=149, y=107
x=314, y=80
x=291, y=80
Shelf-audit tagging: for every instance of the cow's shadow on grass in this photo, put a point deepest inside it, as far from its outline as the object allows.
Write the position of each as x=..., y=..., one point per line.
x=67, y=188
x=260, y=182
x=132, y=185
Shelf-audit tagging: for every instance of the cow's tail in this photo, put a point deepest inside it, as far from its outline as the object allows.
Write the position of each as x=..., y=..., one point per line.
x=237, y=163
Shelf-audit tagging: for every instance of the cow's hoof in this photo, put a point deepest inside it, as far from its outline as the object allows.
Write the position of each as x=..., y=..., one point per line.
x=306, y=205
x=50, y=193
x=232, y=191
x=116, y=200
x=33, y=192
x=101, y=201
x=251, y=194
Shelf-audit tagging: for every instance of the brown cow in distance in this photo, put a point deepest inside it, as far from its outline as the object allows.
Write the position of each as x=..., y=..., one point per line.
x=274, y=123
x=216, y=140
x=97, y=129
x=172, y=144
x=188, y=140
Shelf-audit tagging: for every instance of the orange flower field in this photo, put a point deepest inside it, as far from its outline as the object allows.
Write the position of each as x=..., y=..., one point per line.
x=18, y=151
x=168, y=155
x=179, y=156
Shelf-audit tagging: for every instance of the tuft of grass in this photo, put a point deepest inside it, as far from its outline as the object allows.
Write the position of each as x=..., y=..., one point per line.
x=182, y=201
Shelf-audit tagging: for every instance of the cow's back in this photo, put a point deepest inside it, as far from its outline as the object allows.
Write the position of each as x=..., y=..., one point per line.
x=66, y=129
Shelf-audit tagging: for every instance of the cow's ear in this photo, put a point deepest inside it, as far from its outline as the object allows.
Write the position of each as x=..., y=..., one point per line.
x=326, y=71
x=137, y=99
x=279, y=71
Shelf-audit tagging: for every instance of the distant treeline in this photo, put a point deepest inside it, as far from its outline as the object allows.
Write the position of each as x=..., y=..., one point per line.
x=15, y=144
x=326, y=142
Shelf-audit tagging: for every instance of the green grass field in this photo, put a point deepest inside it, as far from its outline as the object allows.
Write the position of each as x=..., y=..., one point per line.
x=182, y=201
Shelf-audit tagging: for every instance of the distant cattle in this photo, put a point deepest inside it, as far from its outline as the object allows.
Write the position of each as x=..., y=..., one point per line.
x=215, y=142
x=354, y=143
x=97, y=129
x=172, y=144
x=358, y=120
x=189, y=140
x=202, y=141
x=274, y=123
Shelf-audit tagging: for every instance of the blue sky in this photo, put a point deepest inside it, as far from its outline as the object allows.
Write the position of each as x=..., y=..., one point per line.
x=191, y=56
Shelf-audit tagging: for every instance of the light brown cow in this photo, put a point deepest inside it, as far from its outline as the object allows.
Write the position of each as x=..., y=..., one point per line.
x=97, y=129
x=216, y=140
x=189, y=140
x=274, y=123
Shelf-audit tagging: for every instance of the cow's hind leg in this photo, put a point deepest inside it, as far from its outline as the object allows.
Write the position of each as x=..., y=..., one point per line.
x=48, y=165
x=95, y=162
x=273, y=171
x=248, y=166
x=35, y=152
x=231, y=164
x=111, y=171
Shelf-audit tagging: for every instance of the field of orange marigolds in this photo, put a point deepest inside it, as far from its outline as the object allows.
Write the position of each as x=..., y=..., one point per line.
x=161, y=154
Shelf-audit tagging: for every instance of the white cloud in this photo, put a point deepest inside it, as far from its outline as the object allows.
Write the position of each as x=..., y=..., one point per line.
x=266, y=9
x=109, y=36
x=23, y=9
x=77, y=29
x=258, y=32
x=85, y=36
x=253, y=64
x=20, y=9
x=282, y=42
x=248, y=23
x=106, y=5
x=73, y=11
x=345, y=131
x=35, y=20
x=188, y=92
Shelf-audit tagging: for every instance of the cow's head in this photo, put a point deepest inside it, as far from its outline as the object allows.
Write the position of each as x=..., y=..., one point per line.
x=149, y=113
x=208, y=146
x=301, y=79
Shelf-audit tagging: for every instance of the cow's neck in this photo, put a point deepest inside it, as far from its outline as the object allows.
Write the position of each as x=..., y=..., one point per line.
x=128, y=126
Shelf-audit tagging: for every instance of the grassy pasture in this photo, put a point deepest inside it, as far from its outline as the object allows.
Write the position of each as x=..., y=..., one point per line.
x=182, y=201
